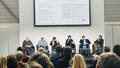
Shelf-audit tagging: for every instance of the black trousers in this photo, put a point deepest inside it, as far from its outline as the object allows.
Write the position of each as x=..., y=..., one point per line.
x=29, y=50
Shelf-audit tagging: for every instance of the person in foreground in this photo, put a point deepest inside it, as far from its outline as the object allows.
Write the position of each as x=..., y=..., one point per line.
x=34, y=64
x=21, y=64
x=56, y=55
x=3, y=61
x=42, y=59
x=78, y=61
x=108, y=60
x=11, y=61
x=116, y=49
x=65, y=61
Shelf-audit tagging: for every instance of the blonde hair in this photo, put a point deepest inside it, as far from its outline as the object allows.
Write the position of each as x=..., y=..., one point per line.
x=34, y=64
x=51, y=65
x=78, y=61
x=3, y=61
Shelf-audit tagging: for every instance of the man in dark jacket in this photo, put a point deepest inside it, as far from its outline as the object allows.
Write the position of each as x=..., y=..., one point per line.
x=84, y=42
x=70, y=42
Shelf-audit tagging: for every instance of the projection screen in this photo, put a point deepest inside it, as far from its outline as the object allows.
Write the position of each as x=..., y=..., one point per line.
x=62, y=13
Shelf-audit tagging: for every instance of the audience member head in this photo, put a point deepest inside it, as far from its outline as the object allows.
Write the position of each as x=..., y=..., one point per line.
x=20, y=49
x=24, y=50
x=3, y=61
x=106, y=49
x=109, y=60
x=41, y=46
x=34, y=64
x=69, y=37
x=58, y=49
x=41, y=49
x=67, y=52
x=42, y=59
x=78, y=61
x=19, y=56
x=11, y=61
x=116, y=49
x=100, y=37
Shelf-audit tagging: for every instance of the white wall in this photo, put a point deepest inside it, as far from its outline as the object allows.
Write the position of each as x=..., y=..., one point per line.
x=9, y=38
x=27, y=25
x=112, y=34
x=109, y=36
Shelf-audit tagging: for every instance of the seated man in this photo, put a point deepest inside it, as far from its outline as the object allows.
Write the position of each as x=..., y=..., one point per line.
x=43, y=43
x=28, y=46
x=84, y=44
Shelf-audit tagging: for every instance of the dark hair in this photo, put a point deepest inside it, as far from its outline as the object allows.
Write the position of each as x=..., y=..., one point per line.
x=19, y=56
x=42, y=38
x=109, y=60
x=58, y=48
x=106, y=49
x=26, y=59
x=67, y=52
x=83, y=36
x=11, y=61
x=116, y=49
x=100, y=36
x=20, y=49
x=54, y=38
x=69, y=36
x=42, y=59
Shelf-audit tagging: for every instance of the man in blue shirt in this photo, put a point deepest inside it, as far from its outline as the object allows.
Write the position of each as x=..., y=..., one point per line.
x=43, y=43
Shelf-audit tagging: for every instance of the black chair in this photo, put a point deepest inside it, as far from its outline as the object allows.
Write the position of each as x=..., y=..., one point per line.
x=85, y=51
x=37, y=47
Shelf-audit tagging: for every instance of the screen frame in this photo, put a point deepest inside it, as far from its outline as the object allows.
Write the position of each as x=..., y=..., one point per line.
x=61, y=25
